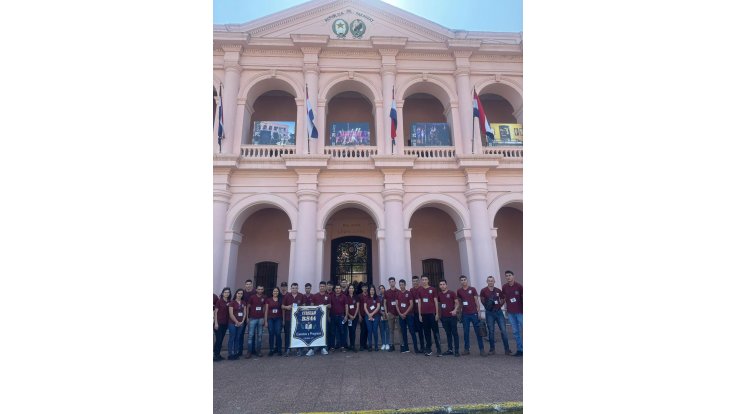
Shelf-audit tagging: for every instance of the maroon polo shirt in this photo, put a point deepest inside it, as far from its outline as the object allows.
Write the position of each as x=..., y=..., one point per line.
x=352, y=306
x=447, y=303
x=467, y=300
x=238, y=310
x=495, y=297
x=404, y=300
x=223, y=315
x=337, y=303
x=256, y=307
x=361, y=299
x=513, y=294
x=415, y=298
x=247, y=295
x=307, y=299
x=274, y=308
x=371, y=304
x=291, y=300
x=427, y=298
x=391, y=296
x=320, y=299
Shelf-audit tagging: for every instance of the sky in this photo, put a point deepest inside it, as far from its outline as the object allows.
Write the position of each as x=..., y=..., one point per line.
x=488, y=15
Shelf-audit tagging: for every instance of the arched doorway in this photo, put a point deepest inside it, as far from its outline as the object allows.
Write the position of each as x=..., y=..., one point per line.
x=351, y=259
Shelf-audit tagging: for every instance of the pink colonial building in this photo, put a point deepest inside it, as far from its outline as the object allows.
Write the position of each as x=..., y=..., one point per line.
x=442, y=201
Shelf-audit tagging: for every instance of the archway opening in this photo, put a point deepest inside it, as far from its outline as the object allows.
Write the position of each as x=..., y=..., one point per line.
x=351, y=246
x=426, y=121
x=434, y=246
x=350, y=120
x=274, y=119
x=510, y=241
x=265, y=240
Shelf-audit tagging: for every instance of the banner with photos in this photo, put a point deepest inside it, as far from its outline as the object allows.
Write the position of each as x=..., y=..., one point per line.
x=510, y=134
x=430, y=134
x=350, y=133
x=274, y=133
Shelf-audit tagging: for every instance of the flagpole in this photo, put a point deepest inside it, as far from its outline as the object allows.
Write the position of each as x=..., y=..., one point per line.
x=221, y=136
x=306, y=86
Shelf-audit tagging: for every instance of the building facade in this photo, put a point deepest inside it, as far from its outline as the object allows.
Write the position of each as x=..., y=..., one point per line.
x=440, y=199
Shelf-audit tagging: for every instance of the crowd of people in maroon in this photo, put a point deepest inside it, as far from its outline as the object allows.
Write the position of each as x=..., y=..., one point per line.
x=418, y=311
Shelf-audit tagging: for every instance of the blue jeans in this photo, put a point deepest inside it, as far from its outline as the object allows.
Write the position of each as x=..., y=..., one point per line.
x=466, y=331
x=372, y=339
x=384, y=331
x=496, y=318
x=517, y=322
x=404, y=323
x=274, y=335
x=233, y=342
x=339, y=331
x=255, y=332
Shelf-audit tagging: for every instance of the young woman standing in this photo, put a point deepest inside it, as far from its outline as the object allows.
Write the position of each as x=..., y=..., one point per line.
x=351, y=311
x=371, y=307
x=221, y=321
x=236, y=310
x=273, y=322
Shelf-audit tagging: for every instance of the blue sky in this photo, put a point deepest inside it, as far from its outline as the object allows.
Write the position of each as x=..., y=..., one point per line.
x=488, y=15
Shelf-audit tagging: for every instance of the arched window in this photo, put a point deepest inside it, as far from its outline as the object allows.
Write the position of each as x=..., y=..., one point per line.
x=434, y=270
x=266, y=276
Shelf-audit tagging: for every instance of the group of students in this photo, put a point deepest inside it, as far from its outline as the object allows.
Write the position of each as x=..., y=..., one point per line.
x=418, y=310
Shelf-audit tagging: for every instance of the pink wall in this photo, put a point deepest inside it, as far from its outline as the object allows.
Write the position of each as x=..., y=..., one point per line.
x=349, y=109
x=433, y=237
x=272, y=108
x=509, y=222
x=265, y=238
x=421, y=108
x=350, y=222
x=498, y=110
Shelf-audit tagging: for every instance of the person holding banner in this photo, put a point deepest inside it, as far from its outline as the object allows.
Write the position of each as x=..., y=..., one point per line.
x=353, y=314
x=274, y=322
x=291, y=299
x=338, y=306
x=321, y=298
x=371, y=306
x=236, y=311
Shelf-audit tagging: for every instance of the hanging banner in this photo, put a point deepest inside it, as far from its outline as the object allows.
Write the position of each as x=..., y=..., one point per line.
x=308, y=326
x=510, y=134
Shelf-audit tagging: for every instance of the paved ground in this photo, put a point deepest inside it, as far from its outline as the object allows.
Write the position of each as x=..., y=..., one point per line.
x=366, y=380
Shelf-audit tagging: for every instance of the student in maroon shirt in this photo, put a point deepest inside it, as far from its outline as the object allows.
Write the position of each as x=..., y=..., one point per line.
x=289, y=300
x=493, y=299
x=338, y=319
x=321, y=298
x=514, y=293
x=221, y=321
x=363, y=326
x=273, y=322
x=418, y=328
x=330, y=331
x=247, y=293
x=255, y=314
x=307, y=295
x=236, y=315
x=405, y=311
x=449, y=307
x=469, y=300
x=429, y=315
x=389, y=304
x=372, y=308
x=352, y=310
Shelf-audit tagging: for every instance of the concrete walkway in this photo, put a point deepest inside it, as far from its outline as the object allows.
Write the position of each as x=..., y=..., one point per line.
x=366, y=380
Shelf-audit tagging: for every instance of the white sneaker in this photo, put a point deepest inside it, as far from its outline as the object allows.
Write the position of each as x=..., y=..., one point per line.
x=310, y=352
x=383, y=347
x=324, y=351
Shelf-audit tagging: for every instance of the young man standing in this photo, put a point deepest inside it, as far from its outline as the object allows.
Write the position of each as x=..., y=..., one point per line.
x=492, y=298
x=338, y=320
x=469, y=299
x=514, y=293
x=405, y=310
x=362, y=298
x=449, y=306
x=344, y=286
x=307, y=295
x=429, y=315
x=418, y=328
x=290, y=300
x=330, y=332
x=255, y=313
x=321, y=298
x=249, y=291
x=389, y=303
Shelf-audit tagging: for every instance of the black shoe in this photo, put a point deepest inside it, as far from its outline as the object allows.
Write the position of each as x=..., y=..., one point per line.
x=370, y=349
x=217, y=358
x=448, y=352
x=355, y=350
x=391, y=348
x=279, y=353
x=375, y=349
x=405, y=350
x=518, y=353
x=457, y=354
x=230, y=357
x=270, y=353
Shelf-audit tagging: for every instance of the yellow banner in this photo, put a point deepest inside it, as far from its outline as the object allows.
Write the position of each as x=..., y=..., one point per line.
x=510, y=133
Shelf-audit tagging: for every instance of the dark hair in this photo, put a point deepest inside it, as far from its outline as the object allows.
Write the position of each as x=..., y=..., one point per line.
x=508, y=271
x=443, y=280
x=462, y=277
x=343, y=280
x=329, y=282
x=402, y=281
x=392, y=278
x=223, y=292
x=307, y=285
x=236, y=293
x=423, y=276
x=276, y=289
x=381, y=286
x=284, y=284
x=260, y=286
x=248, y=281
x=294, y=284
x=375, y=291
x=414, y=277
x=322, y=283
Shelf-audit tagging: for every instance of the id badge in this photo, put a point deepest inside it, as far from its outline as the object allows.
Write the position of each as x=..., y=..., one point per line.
x=393, y=303
x=465, y=303
x=372, y=307
x=425, y=300
x=275, y=311
x=403, y=305
x=240, y=314
x=351, y=306
x=444, y=306
x=495, y=302
x=258, y=308
x=512, y=300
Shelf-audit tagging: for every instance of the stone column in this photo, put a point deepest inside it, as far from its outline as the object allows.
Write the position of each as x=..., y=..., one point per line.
x=311, y=79
x=477, y=198
x=388, y=81
x=464, y=97
x=381, y=238
x=380, y=126
x=242, y=124
x=230, y=257
x=464, y=243
x=221, y=198
x=320, y=256
x=495, y=266
x=453, y=116
x=519, y=115
x=292, y=255
x=301, y=127
x=306, y=226
x=407, y=257
x=393, y=201
x=321, y=118
x=230, y=98
x=400, y=139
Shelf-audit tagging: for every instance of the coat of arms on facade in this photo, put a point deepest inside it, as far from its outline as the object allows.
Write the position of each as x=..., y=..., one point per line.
x=340, y=28
x=357, y=28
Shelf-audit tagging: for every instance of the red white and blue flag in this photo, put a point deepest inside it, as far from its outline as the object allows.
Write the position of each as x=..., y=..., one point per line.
x=311, y=127
x=394, y=118
x=221, y=125
x=478, y=112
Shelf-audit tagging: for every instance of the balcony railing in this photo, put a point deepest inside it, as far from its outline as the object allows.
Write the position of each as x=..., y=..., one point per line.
x=430, y=152
x=506, y=152
x=266, y=151
x=351, y=152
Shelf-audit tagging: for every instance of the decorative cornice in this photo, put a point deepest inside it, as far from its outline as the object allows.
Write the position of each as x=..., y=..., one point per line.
x=310, y=67
x=409, y=55
x=476, y=194
x=311, y=50
x=271, y=52
x=463, y=45
x=461, y=71
x=393, y=194
x=344, y=53
x=313, y=40
x=307, y=195
x=496, y=58
x=232, y=48
x=394, y=43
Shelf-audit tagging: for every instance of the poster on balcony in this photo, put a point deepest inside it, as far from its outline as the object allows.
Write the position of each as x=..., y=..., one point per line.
x=350, y=133
x=428, y=134
x=274, y=133
x=507, y=134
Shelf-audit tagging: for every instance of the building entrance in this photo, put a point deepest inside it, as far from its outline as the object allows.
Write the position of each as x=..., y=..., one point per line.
x=351, y=260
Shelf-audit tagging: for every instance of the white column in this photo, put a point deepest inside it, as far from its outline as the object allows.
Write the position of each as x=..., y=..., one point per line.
x=320, y=256
x=381, y=238
x=306, y=226
x=464, y=243
x=477, y=197
x=230, y=257
x=393, y=202
x=321, y=117
x=242, y=125
x=388, y=81
x=464, y=96
x=380, y=126
x=221, y=204
x=311, y=80
x=301, y=127
x=519, y=115
x=453, y=118
x=407, y=256
x=292, y=255
x=230, y=97
x=400, y=139
x=496, y=267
